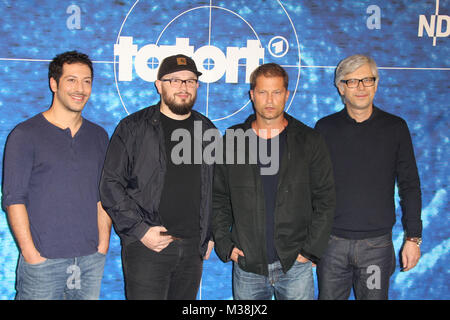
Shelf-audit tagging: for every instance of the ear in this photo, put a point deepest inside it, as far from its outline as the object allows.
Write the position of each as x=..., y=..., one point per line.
x=251, y=95
x=53, y=85
x=158, y=86
x=287, y=94
x=376, y=86
x=341, y=88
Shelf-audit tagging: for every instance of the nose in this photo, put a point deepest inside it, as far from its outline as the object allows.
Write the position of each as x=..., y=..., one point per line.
x=79, y=86
x=183, y=86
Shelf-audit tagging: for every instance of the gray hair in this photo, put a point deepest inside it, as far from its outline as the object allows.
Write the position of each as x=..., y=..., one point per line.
x=350, y=64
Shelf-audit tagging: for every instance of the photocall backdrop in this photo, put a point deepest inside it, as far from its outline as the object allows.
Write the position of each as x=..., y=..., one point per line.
x=126, y=39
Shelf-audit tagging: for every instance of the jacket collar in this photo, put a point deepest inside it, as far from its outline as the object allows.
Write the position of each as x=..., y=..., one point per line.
x=154, y=114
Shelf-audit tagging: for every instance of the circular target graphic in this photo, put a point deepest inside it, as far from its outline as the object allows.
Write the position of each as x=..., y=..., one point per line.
x=227, y=44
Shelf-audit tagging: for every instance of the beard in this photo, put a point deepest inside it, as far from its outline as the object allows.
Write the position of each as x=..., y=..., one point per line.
x=181, y=108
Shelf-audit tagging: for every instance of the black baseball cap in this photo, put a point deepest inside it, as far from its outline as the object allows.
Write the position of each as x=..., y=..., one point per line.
x=176, y=63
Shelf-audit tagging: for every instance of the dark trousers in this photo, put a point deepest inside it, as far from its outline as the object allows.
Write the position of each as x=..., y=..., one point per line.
x=366, y=265
x=172, y=274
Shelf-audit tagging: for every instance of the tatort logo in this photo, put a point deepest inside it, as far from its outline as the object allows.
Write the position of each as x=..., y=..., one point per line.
x=434, y=27
x=224, y=63
x=226, y=44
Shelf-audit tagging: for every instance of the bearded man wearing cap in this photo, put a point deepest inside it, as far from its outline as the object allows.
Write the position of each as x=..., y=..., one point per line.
x=160, y=207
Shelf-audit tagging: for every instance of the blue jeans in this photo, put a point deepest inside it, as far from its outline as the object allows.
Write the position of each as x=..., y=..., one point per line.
x=296, y=284
x=61, y=279
x=366, y=265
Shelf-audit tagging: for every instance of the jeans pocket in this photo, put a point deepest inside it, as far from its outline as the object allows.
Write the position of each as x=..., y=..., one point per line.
x=334, y=238
x=101, y=254
x=302, y=263
x=34, y=264
x=379, y=242
x=299, y=262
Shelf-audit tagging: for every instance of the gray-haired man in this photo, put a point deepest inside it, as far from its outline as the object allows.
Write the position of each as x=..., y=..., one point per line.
x=370, y=150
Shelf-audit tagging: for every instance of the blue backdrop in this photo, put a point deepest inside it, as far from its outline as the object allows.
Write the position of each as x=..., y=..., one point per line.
x=127, y=38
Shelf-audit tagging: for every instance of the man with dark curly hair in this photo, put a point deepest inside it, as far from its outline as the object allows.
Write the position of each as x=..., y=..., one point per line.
x=52, y=168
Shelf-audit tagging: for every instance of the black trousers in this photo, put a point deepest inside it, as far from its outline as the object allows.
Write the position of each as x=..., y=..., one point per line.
x=172, y=274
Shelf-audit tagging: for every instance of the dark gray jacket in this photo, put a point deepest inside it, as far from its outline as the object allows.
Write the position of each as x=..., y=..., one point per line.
x=133, y=176
x=305, y=203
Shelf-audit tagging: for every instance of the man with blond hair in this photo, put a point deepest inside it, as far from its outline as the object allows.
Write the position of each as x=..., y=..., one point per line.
x=273, y=224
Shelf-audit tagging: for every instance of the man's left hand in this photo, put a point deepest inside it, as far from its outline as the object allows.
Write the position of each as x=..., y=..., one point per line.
x=103, y=248
x=302, y=259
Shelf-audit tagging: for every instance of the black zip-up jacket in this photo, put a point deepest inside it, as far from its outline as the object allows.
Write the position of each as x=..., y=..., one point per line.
x=304, y=208
x=133, y=176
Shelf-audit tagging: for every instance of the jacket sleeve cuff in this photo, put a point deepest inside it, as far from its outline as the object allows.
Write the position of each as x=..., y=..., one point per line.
x=141, y=230
x=224, y=249
x=228, y=257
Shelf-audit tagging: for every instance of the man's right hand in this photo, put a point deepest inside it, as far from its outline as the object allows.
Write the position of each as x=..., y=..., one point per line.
x=235, y=253
x=33, y=257
x=20, y=224
x=154, y=240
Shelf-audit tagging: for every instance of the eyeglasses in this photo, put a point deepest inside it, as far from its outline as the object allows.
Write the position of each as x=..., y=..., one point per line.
x=177, y=83
x=354, y=83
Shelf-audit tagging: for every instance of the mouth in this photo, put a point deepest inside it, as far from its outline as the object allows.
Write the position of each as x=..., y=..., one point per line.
x=78, y=97
x=183, y=95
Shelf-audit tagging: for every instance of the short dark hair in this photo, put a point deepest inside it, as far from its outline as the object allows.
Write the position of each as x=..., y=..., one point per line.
x=55, y=69
x=269, y=70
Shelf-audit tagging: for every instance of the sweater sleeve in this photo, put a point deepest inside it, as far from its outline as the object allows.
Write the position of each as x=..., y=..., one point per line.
x=408, y=183
x=17, y=168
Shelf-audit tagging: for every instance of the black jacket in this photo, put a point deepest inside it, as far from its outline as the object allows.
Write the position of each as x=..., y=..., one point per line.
x=133, y=176
x=305, y=203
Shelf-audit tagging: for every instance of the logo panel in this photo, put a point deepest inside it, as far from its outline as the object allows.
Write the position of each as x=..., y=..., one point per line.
x=227, y=45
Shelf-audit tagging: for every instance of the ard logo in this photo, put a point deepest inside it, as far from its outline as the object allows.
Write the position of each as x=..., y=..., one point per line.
x=436, y=27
